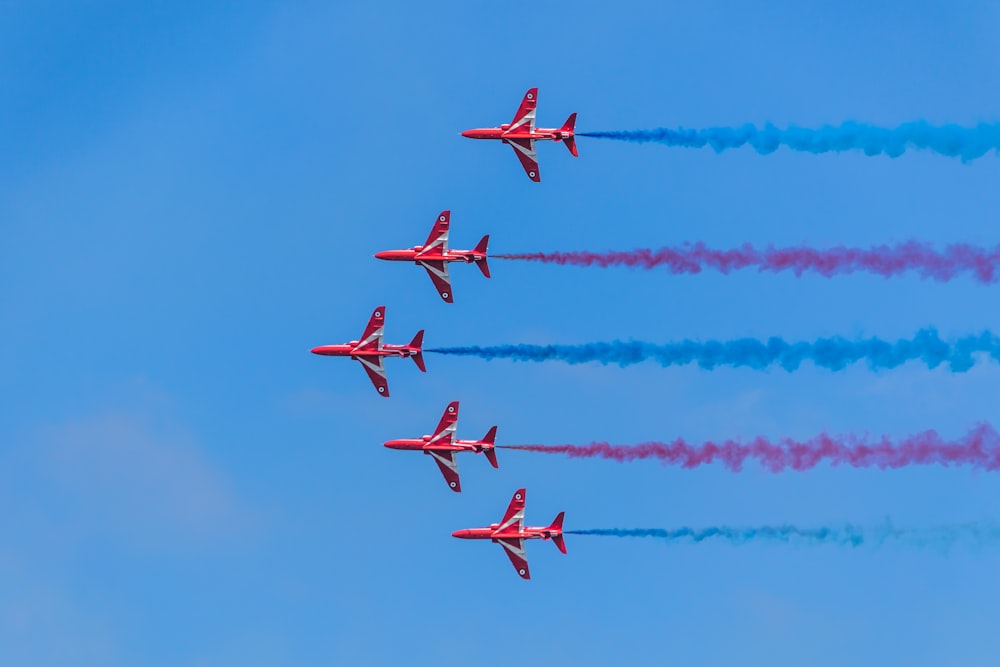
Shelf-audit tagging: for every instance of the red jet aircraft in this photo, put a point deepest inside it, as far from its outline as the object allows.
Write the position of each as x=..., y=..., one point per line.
x=511, y=533
x=370, y=351
x=443, y=445
x=521, y=134
x=435, y=256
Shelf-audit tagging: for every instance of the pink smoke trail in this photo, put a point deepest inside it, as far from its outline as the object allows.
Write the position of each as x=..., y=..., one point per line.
x=979, y=448
x=942, y=265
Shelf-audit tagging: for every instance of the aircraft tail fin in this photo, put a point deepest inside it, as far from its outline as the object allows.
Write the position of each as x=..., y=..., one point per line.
x=418, y=356
x=491, y=453
x=556, y=527
x=481, y=263
x=569, y=138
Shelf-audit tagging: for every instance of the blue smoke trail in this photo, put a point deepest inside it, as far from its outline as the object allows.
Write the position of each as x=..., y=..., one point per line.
x=967, y=143
x=832, y=353
x=972, y=534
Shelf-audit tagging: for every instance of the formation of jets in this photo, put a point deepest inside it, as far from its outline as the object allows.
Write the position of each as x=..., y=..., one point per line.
x=435, y=256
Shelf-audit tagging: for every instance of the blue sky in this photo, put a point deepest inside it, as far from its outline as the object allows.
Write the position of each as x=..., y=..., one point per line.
x=190, y=197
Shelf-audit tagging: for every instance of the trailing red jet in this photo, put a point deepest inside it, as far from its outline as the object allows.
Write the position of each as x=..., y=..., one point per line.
x=511, y=533
x=521, y=134
x=371, y=352
x=442, y=446
x=435, y=256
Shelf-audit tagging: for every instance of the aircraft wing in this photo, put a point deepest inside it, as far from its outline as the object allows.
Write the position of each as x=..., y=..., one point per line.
x=438, y=271
x=514, y=516
x=525, y=151
x=524, y=119
x=437, y=242
x=514, y=548
x=371, y=339
x=375, y=367
x=449, y=468
x=445, y=431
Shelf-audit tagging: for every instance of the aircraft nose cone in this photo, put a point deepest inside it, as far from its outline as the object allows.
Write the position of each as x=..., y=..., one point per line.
x=469, y=133
x=317, y=350
x=462, y=534
x=382, y=255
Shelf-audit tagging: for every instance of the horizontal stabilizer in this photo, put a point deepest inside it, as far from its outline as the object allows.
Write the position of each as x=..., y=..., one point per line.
x=418, y=356
x=556, y=526
x=570, y=140
x=571, y=145
x=490, y=440
x=491, y=456
x=481, y=263
x=569, y=124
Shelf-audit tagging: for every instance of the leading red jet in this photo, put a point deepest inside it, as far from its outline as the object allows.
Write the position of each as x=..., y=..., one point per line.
x=511, y=533
x=371, y=352
x=435, y=256
x=521, y=134
x=442, y=446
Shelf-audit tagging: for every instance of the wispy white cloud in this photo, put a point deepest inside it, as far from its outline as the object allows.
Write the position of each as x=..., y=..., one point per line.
x=91, y=496
x=41, y=625
x=118, y=474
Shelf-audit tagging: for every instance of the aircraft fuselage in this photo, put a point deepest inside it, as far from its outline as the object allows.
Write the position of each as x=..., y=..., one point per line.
x=414, y=255
x=501, y=133
x=420, y=444
x=350, y=350
x=492, y=533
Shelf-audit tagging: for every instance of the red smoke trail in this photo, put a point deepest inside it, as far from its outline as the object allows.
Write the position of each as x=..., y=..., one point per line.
x=979, y=448
x=941, y=265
